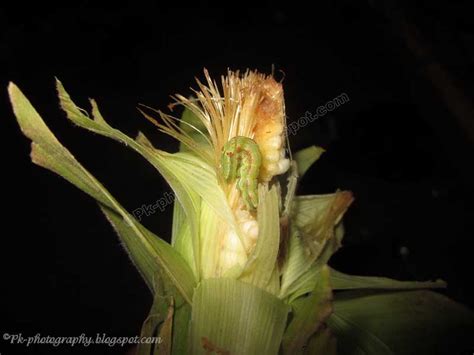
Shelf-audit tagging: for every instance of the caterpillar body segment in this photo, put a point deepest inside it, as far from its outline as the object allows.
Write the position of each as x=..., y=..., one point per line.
x=241, y=159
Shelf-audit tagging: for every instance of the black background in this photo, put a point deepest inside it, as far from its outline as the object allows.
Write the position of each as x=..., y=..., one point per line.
x=396, y=144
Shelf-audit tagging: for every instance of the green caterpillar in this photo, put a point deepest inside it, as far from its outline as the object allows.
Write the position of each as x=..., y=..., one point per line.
x=241, y=159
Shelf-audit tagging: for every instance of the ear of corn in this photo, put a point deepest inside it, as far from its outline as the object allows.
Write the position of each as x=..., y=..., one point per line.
x=233, y=280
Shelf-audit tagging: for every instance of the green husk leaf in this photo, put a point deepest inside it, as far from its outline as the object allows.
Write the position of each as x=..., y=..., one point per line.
x=296, y=264
x=149, y=253
x=341, y=281
x=309, y=314
x=176, y=269
x=307, y=157
x=262, y=261
x=234, y=317
x=200, y=177
x=181, y=237
x=193, y=126
x=177, y=321
x=173, y=329
x=181, y=328
x=307, y=281
x=179, y=215
x=189, y=199
x=273, y=285
x=168, y=320
x=179, y=220
x=183, y=243
x=193, y=172
x=304, y=284
x=323, y=342
x=190, y=178
x=317, y=218
x=188, y=120
x=290, y=189
x=158, y=324
x=405, y=322
x=164, y=347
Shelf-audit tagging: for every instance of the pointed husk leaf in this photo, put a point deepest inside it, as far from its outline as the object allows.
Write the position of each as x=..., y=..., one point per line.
x=149, y=253
x=405, y=322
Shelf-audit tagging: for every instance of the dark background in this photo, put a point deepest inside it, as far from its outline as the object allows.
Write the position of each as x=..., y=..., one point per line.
x=403, y=144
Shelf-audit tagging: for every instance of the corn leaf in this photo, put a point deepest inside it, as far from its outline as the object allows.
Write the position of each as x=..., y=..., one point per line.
x=193, y=126
x=234, y=317
x=304, y=284
x=341, y=281
x=190, y=178
x=316, y=217
x=158, y=324
x=189, y=199
x=179, y=220
x=405, y=322
x=181, y=328
x=296, y=264
x=316, y=234
x=149, y=253
x=322, y=342
x=262, y=260
x=181, y=237
x=290, y=189
x=164, y=346
x=184, y=245
x=168, y=322
x=307, y=157
x=307, y=281
x=308, y=315
x=168, y=319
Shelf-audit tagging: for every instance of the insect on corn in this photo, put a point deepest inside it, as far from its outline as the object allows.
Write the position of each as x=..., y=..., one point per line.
x=241, y=160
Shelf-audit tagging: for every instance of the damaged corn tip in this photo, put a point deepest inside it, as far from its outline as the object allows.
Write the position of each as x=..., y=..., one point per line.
x=269, y=130
x=246, y=108
x=247, y=105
